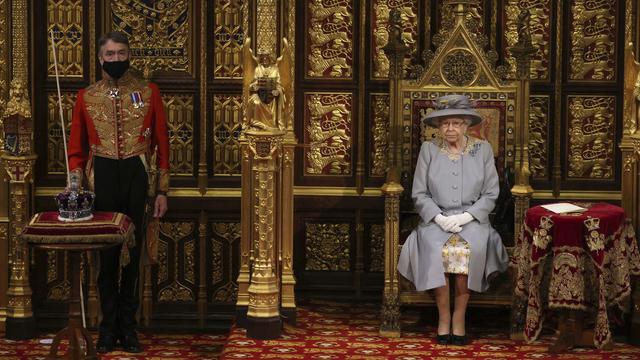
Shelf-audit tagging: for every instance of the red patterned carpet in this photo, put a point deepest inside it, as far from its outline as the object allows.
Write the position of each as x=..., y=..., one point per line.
x=327, y=331
x=157, y=347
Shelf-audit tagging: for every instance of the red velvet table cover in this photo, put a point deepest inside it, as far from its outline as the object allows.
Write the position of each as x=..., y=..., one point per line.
x=104, y=228
x=593, y=255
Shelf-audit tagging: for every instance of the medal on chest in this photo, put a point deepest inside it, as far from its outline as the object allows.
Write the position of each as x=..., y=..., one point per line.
x=136, y=100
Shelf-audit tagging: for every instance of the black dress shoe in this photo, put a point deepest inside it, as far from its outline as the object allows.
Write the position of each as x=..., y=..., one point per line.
x=106, y=343
x=131, y=344
x=443, y=339
x=460, y=340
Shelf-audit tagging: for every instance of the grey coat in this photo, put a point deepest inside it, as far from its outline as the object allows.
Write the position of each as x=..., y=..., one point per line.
x=444, y=184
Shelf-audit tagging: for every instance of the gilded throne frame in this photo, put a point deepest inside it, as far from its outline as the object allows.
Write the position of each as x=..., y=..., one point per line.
x=459, y=65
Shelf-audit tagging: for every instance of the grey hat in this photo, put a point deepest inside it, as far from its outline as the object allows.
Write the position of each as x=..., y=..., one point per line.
x=452, y=105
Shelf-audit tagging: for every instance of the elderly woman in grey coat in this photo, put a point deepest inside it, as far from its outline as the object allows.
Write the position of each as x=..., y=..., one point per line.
x=455, y=187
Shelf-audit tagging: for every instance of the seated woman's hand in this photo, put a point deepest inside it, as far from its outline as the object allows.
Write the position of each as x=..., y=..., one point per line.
x=462, y=219
x=447, y=223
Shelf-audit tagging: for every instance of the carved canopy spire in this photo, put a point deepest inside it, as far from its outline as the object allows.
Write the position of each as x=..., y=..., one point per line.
x=395, y=48
x=523, y=50
x=461, y=8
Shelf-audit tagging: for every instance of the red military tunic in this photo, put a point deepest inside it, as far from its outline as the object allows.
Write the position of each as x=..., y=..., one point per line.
x=119, y=121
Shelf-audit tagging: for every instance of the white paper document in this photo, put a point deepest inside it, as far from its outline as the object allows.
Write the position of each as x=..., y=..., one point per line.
x=563, y=208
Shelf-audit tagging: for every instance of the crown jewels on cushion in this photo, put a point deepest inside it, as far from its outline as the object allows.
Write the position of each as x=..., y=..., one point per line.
x=74, y=203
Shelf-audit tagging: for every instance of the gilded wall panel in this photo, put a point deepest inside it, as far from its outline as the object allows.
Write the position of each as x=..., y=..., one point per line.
x=380, y=32
x=189, y=265
x=224, y=242
x=540, y=30
x=327, y=247
x=55, y=146
x=64, y=19
x=227, y=115
x=57, y=281
x=328, y=121
x=329, y=39
x=539, y=136
x=474, y=20
x=4, y=235
x=180, y=122
x=591, y=137
x=163, y=262
x=228, y=36
x=159, y=32
x=175, y=237
x=60, y=292
x=376, y=246
x=216, y=261
x=380, y=129
x=227, y=293
x=593, y=40
x=18, y=203
x=266, y=25
x=4, y=59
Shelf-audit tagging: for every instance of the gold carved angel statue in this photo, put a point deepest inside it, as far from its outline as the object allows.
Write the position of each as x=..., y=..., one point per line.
x=267, y=88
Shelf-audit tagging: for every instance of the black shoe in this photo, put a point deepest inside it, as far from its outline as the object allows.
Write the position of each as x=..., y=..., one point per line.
x=460, y=340
x=443, y=339
x=131, y=344
x=106, y=343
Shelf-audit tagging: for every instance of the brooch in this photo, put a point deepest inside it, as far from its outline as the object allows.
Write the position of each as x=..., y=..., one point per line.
x=114, y=93
x=136, y=100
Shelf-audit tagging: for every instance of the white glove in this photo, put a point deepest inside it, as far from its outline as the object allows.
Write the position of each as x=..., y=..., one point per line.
x=462, y=219
x=447, y=223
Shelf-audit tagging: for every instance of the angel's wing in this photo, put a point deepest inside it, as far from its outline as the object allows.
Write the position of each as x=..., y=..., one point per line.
x=285, y=65
x=249, y=63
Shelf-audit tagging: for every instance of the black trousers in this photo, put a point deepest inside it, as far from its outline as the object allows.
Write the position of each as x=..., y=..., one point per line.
x=120, y=185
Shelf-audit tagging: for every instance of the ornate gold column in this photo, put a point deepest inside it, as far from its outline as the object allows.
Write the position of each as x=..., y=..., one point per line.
x=20, y=321
x=395, y=51
x=287, y=280
x=246, y=253
x=630, y=142
x=263, y=312
x=390, y=325
x=266, y=280
x=267, y=194
x=18, y=161
x=5, y=34
x=630, y=148
x=522, y=190
x=203, y=176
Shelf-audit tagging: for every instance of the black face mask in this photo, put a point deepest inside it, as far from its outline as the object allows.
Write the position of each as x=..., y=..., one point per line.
x=115, y=69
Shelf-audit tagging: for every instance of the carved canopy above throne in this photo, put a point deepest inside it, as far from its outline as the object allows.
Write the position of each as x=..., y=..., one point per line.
x=460, y=65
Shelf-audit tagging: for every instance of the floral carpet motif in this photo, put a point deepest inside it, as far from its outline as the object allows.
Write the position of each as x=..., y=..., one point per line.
x=328, y=331
x=156, y=347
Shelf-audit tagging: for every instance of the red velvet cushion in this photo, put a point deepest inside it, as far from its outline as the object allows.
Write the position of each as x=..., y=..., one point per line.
x=105, y=227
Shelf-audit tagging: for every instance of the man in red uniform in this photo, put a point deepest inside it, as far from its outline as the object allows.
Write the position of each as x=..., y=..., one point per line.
x=118, y=126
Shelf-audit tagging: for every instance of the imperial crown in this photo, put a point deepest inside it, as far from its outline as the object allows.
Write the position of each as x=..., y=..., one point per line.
x=74, y=203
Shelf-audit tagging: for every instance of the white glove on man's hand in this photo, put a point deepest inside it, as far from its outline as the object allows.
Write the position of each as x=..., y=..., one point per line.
x=462, y=219
x=447, y=223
